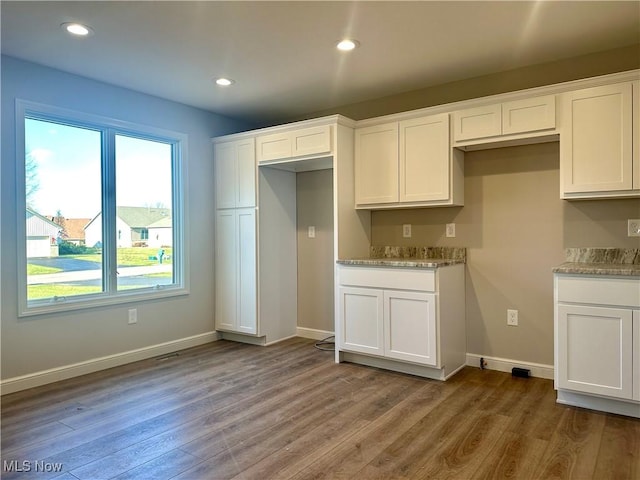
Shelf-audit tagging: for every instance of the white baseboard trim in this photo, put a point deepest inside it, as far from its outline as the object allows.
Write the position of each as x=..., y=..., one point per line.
x=505, y=365
x=312, y=333
x=44, y=377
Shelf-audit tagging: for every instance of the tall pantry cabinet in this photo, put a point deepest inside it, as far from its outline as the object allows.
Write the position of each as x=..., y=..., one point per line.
x=235, y=246
x=255, y=254
x=249, y=220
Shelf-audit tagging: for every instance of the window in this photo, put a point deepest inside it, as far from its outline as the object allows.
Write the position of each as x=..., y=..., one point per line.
x=104, y=210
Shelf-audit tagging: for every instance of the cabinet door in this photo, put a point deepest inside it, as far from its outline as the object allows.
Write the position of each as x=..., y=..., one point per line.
x=596, y=139
x=477, y=122
x=361, y=313
x=595, y=350
x=636, y=355
x=226, y=277
x=636, y=136
x=247, y=271
x=226, y=174
x=235, y=174
x=246, y=166
x=529, y=115
x=376, y=164
x=410, y=327
x=274, y=146
x=424, y=159
x=311, y=141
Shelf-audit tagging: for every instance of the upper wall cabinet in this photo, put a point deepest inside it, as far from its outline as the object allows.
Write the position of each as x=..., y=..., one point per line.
x=376, y=162
x=508, y=118
x=597, y=144
x=407, y=163
x=295, y=143
x=235, y=173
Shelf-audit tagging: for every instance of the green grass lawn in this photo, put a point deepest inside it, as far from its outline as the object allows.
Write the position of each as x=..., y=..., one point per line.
x=49, y=290
x=126, y=257
x=40, y=270
x=134, y=256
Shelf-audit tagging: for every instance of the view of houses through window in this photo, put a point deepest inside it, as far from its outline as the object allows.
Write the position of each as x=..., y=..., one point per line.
x=68, y=242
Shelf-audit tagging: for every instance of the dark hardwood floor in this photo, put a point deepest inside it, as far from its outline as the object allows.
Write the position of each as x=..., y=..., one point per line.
x=228, y=410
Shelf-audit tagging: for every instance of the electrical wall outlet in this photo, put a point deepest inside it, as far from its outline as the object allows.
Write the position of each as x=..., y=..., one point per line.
x=406, y=230
x=633, y=228
x=311, y=232
x=512, y=318
x=450, y=230
x=133, y=316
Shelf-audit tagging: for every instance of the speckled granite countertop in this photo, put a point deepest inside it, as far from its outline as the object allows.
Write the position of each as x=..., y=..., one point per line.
x=401, y=262
x=410, y=257
x=601, y=261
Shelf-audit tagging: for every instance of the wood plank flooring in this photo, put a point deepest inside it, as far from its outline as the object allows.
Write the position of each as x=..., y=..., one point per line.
x=231, y=411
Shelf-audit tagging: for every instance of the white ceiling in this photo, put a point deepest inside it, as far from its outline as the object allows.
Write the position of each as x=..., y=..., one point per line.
x=282, y=55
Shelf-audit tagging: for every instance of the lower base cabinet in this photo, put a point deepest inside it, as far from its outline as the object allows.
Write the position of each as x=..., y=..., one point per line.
x=403, y=319
x=394, y=324
x=236, y=280
x=410, y=326
x=597, y=337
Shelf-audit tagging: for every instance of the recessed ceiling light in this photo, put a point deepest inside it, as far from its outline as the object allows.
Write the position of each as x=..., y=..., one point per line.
x=224, y=82
x=77, y=29
x=347, y=45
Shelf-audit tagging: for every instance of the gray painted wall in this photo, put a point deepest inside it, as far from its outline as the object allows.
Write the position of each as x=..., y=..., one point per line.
x=48, y=341
x=515, y=228
x=315, y=255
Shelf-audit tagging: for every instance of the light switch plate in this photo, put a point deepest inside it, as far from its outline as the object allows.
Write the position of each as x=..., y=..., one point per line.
x=406, y=230
x=312, y=231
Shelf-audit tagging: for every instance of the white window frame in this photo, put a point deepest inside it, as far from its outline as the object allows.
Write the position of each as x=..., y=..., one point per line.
x=111, y=127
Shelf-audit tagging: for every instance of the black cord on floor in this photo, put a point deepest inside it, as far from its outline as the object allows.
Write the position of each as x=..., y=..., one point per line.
x=326, y=345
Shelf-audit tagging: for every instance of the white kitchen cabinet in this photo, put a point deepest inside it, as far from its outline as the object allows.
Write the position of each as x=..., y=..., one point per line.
x=362, y=310
x=236, y=270
x=405, y=319
x=410, y=326
x=392, y=323
x=597, y=142
x=529, y=115
x=424, y=161
x=596, y=350
x=235, y=174
x=235, y=238
x=407, y=163
x=508, y=118
x=294, y=143
x=256, y=249
x=477, y=122
x=376, y=164
x=597, y=342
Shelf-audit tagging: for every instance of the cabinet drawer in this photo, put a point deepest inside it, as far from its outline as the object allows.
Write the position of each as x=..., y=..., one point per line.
x=312, y=141
x=421, y=280
x=529, y=115
x=274, y=146
x=599, y=290
x=298, y=143
x=477, y=122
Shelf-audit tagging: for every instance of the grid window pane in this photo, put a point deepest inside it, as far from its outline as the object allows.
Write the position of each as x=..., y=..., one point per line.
x=144, y=216
x=63, y=198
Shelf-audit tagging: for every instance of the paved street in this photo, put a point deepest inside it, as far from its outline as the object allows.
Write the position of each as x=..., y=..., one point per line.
x=66, y=264
x=82, y=272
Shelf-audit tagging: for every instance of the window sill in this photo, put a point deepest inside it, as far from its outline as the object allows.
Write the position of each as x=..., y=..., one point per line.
x=87, y=302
